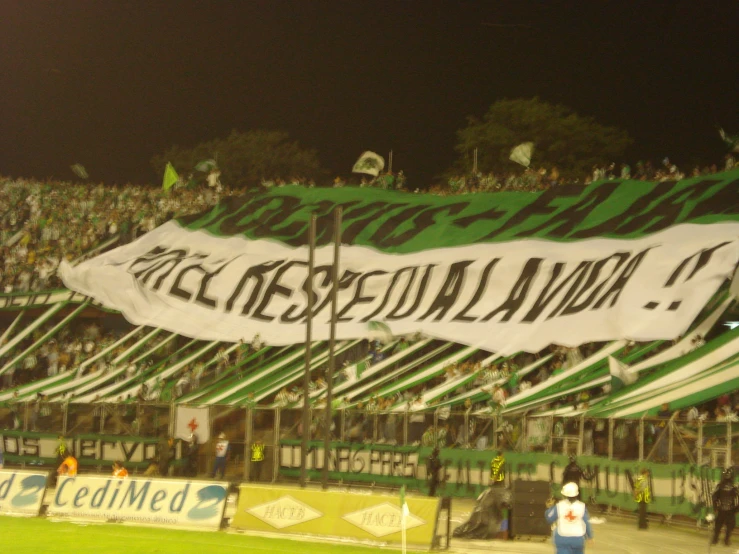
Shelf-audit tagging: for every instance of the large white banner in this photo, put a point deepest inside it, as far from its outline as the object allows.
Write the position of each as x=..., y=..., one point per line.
x=21, y=492
x=167, y=502
x=505, y=297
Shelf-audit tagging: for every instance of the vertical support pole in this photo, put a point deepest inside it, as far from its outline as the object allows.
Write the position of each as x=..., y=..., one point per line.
x=275, y=446
x=65, y=415
x=390, y=162
x=248, y=433
x=550, y=450
x=332, y=345
x=172, y=415
x=495, y=429
x=405, y=426
x=727, y=462
x=641, y=438
x=581, y=435
x=524, y=434
x=610, y=438
x=308, y=343
x=700, y=442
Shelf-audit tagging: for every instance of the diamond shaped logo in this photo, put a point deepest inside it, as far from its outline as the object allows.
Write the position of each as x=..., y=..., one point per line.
x=383, y=519
x=284, y=512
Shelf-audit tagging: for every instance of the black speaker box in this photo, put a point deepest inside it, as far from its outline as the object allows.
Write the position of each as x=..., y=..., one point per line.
x=533, y=525
x=520, y=486
x=537, y=499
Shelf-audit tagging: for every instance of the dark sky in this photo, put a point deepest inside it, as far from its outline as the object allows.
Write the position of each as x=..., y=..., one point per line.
x=109, y=83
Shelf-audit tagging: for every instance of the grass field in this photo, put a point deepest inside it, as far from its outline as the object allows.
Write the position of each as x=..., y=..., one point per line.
x=39, y=536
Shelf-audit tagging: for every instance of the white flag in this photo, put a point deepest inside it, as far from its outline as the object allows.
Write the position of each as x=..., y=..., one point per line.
x=620, y=375
x=369, y=163
x=192, y=420
x=522, y=153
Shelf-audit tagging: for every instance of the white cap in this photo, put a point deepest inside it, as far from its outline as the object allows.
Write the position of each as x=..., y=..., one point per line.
x=222, y=436
x=570, y=490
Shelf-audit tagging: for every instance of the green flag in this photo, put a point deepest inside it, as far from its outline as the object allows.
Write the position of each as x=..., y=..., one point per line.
x=403, y=503
x=170, y=177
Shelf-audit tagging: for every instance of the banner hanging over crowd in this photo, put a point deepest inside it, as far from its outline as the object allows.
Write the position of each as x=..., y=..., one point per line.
x=506, y=272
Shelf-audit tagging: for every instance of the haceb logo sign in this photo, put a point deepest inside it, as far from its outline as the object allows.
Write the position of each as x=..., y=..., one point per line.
x=144, y=501
x=284, y=512
x=382, y=519
x=21, y=492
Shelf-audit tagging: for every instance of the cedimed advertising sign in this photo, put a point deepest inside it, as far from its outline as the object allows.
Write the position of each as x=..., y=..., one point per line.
x=21, y=492
x=167, y=502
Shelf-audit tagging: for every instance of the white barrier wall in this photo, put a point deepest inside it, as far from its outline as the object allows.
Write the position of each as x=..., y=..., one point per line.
x=169, y=502
x=21, y=492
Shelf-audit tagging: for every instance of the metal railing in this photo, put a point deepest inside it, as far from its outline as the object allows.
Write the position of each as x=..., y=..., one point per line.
x=651, y=439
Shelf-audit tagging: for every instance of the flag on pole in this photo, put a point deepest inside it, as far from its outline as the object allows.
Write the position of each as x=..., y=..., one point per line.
x=79, y=170
x=620, y=375
x=403, y=504
x=379, y=331
x=170, y=177
x=369, y=163
x=522, y=153
x=206, y=166
x=192, y=420
x=732, y=141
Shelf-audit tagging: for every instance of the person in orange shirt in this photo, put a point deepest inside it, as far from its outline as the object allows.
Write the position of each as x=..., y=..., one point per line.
x=69, y=466
x=119, y=471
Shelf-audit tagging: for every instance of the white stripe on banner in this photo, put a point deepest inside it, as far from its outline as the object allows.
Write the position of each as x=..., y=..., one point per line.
x=504, y=297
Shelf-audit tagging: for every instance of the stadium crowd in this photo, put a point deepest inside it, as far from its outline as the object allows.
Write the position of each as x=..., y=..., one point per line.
x=42, y=223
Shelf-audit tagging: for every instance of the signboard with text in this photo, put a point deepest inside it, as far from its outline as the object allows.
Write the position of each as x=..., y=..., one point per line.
x=167, y=502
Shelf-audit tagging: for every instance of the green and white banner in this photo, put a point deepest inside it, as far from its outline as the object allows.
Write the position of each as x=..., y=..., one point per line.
x=506, y=272
x=683, y=489
x=22, y=300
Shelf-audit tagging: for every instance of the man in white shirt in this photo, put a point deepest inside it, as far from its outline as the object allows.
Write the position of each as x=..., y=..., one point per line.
x=222, y=450
x=572, y=522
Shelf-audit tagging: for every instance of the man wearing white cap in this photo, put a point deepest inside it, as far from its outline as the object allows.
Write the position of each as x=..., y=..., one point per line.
x=222, y=449
x=572, y=522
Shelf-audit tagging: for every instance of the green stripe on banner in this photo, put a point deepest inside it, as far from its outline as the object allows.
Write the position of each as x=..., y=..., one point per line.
x=403, y=223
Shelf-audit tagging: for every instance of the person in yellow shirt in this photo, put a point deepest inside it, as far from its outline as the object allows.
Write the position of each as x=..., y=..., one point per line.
x=119, y=471
x=643, y=496
x=497, y=470
x=69, y=466
x=257, y=460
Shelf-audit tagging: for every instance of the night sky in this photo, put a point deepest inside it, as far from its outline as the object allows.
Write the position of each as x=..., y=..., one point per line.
x=110, y=83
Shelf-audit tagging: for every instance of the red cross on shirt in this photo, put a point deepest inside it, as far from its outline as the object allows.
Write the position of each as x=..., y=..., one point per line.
x=570, y=516
x=193, y=425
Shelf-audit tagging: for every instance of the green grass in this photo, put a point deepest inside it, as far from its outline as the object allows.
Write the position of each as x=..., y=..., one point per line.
x=39, y=536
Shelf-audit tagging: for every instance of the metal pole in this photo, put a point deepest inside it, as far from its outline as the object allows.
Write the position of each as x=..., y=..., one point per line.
x=332, y=344
x=275, y=445
x=247, y=442
x=308, y=341
x=727, y=461
x=390, y=162
x=610, y=439
x=474, y=162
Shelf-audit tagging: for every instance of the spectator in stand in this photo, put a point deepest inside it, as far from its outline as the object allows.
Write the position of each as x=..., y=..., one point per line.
x=119, y=471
